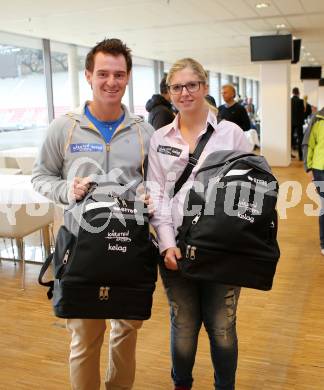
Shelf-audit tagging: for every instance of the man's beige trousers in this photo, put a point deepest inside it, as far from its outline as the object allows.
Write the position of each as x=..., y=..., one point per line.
x=87, y=339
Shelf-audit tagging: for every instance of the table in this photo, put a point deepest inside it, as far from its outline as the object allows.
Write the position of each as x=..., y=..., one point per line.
x=22, y=158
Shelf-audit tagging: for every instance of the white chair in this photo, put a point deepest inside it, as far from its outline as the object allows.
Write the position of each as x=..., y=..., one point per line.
x=18, y=221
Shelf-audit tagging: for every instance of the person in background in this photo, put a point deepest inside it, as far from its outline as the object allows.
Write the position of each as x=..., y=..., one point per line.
x=307, y=108
x=94, y=140
x=159, y=107
x=313, y=150
x=192, y=303
x=233, y=111
x=210, y=99
x=297, y=121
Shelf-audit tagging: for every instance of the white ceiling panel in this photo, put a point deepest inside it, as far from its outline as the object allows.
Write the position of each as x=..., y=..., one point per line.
x=289, y=7
x=299, y=22
x=272, y=10
x=313, y=5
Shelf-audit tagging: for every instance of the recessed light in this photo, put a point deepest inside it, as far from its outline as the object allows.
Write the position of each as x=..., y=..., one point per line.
x=262, y=5
x=280, y=25
x=308, y=54
x=312, y=59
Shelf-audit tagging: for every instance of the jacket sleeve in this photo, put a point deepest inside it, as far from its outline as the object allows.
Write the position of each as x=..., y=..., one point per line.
x=245, y=120
x=162, y=218
x=305, y=144
x=47, y=171
x=311, y=148
x=162, y=118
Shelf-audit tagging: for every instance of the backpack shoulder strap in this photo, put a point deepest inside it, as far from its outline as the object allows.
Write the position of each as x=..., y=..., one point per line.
x=193, y=159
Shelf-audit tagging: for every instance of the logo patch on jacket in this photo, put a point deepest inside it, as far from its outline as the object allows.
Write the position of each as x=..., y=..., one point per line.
x=169, y=150
x=83, y=147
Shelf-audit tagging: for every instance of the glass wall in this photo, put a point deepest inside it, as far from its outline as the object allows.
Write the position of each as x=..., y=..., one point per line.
x=23, y=107
x=23, y=103
x=143, y=84
x=214, y=87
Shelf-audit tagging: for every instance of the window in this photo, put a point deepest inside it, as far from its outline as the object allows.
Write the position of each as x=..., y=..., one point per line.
x=23, y=106
x=143, y=84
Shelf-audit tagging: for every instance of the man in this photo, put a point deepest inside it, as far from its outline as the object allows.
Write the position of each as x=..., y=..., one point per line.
x=96, y=139
x=297, y=120
x=231, y=110
x=159, y=107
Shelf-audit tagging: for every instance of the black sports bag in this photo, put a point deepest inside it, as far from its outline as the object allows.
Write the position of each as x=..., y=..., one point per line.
x=230, y=234
x=109, y=269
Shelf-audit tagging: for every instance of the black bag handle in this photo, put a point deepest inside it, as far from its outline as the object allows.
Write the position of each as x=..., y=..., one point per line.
x=50, y=283
x=193, y=160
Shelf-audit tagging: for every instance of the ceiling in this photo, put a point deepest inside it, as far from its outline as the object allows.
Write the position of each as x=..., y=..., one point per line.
x=215, y=32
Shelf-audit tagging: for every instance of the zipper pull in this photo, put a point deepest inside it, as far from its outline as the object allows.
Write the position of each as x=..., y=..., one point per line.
x=187, y=251
x=193, y=253
x=106, y=293
x=101, y=293
x=66, y=256
x=196, y=219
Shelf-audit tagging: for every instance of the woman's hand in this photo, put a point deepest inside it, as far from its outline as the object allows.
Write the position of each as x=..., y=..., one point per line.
x=310, y=175
x=171, y=256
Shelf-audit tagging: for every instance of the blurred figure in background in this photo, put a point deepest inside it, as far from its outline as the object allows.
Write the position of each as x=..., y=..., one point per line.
x=297, y=121
x=307, y=108
x=159, y=107
x=231, y=110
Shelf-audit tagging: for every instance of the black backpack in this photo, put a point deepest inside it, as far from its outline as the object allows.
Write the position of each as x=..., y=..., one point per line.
x=109, y=269
x=230, y=235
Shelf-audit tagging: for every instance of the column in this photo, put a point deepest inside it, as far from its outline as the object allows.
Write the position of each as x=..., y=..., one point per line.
x=275, y=112
x=73, y=67
x=320, y=94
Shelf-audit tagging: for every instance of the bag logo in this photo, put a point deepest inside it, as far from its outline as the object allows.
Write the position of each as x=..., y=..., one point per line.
x=117, y=248
x=122, y=237
x=119, y=236
x=169, y=150
x=257, y=181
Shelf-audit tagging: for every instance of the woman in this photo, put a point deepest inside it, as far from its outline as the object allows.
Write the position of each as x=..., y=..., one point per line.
x=191, y=303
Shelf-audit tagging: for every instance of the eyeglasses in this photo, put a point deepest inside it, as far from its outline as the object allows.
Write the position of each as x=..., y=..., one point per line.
x=192, y=86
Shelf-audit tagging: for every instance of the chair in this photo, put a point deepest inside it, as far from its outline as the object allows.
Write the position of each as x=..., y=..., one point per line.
x=20, y=220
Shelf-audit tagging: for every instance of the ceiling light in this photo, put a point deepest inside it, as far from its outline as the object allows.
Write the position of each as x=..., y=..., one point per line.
x=262, y=5
x=280, y=26
x=312, y=59
x=308, y=54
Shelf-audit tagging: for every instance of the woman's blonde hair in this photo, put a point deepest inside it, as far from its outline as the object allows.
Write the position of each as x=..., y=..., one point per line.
x=197, y=69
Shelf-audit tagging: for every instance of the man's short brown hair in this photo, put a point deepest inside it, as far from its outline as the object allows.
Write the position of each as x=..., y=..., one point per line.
x=113, y=46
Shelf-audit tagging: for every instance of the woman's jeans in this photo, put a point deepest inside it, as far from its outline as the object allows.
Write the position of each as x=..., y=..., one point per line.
x=319, y=184
x=191, y=304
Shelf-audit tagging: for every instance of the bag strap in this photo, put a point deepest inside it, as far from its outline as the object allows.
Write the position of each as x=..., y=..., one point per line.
x=193, y=160
x=50, y=283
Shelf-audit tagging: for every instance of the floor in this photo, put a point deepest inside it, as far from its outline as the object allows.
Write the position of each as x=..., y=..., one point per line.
x=281, y=337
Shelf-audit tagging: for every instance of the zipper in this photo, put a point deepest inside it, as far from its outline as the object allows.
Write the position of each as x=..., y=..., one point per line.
x=66, y=256
x=193, y=253
x=188, y=251
x=196, y=219
x=104, y=293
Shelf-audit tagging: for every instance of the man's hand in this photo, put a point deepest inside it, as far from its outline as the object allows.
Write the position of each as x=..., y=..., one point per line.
x=79, y=188
x=171, y=256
